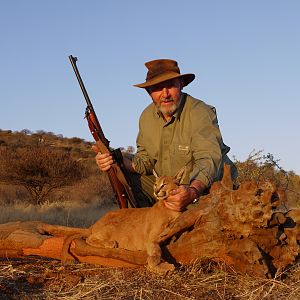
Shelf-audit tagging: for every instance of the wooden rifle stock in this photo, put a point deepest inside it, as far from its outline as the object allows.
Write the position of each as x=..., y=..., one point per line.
x=117, y=172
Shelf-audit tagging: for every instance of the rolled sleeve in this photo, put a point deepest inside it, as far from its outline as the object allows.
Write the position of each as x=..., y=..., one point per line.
x=141, y=162
x=206, y=146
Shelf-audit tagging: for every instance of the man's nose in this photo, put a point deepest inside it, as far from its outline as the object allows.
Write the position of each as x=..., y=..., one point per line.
x=165, y=92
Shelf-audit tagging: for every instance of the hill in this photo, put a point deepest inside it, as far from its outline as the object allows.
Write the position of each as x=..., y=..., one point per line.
x=94, y=185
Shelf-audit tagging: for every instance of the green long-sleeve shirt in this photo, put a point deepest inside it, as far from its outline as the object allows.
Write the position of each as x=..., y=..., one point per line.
x=192, y=137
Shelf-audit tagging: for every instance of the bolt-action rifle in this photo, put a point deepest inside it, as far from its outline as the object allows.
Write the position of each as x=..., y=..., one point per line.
x=117, y=172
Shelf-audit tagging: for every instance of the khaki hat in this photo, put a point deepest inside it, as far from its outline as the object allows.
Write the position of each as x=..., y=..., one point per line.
x=160, y=70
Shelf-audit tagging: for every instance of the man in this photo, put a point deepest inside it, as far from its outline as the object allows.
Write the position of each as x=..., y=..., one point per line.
x=175, y=130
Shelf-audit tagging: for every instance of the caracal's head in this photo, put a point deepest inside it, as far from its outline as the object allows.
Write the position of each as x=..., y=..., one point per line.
x=165, y=184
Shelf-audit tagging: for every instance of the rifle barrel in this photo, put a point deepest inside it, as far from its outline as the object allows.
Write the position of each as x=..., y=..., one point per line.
x=90, y=113
x=86, y=96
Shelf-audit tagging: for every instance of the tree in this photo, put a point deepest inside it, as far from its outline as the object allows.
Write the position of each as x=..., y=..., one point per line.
x=25, y=131
x=39, y=169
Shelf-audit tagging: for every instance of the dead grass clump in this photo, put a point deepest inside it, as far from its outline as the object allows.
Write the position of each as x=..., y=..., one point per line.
x=88, y=190
x=40, y=278
x=11, y=194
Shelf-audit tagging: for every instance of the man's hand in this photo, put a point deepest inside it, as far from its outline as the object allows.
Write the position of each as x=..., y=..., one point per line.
x=180, y=198
x=103, y=160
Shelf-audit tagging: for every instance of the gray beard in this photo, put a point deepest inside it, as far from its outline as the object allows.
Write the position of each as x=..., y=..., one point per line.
x=168, y=111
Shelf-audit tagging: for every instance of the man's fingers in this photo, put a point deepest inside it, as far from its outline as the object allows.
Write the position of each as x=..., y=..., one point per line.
x=107, y=163
x=104, y=161
x=104, y=157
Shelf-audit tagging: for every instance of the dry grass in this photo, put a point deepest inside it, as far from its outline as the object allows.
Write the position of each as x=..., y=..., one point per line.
x=66, y=214
x=34, y=278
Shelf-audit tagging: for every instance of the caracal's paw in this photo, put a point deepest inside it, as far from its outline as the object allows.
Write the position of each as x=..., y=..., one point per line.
x=162, y=268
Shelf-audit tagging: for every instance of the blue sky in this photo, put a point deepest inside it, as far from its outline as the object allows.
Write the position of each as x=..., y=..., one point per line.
x=245, y=55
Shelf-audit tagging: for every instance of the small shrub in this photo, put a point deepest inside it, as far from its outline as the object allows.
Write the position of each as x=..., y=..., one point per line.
x=259, y=167
x=39, y=169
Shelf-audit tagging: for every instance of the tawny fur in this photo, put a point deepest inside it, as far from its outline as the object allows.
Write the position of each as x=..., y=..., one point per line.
x=139, y=228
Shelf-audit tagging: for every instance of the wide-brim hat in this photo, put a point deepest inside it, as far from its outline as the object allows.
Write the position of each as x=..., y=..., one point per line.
x=161, y=70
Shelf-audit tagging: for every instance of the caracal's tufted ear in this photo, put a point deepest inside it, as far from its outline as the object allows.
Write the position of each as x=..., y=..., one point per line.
x=227, y=180
x=181, y=175
x=155, y=174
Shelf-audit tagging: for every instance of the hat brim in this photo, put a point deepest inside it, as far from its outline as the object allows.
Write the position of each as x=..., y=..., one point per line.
x=187, y=79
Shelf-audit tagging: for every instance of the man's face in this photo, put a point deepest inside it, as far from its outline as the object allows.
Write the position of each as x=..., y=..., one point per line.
x=166, y=96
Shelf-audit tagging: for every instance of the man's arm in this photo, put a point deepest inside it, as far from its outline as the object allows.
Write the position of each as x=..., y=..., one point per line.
x=199, y=187
x=206, y=145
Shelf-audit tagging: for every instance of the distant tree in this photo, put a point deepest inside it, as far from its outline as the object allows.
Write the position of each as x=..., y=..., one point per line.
x=39, y=169
x=76, y=140
x=40, y=132
x=25, y=131
x=50, y=133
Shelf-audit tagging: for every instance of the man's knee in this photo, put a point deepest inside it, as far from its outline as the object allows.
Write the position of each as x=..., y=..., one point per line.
x=142, y=186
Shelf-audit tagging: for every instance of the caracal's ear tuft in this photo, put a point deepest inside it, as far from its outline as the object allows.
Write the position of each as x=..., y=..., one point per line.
x=181, y=175
x=227, y=179
x=155, y=174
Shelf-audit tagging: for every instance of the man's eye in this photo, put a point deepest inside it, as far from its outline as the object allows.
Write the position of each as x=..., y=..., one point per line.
x=156, y=88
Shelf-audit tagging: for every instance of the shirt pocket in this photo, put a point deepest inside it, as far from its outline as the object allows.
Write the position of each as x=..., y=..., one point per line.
x=181, y=153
